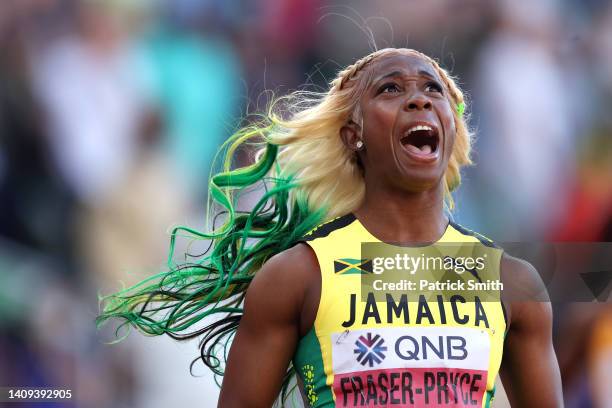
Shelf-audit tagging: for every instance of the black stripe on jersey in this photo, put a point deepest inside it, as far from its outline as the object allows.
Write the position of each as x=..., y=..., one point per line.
x=329, y=227
x=487, y=242
x=483, y=240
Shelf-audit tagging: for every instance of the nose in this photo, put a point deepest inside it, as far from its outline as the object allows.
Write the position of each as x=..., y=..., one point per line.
x=417, y=101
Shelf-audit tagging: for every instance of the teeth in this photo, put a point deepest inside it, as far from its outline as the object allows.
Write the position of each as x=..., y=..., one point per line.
x=419, y=127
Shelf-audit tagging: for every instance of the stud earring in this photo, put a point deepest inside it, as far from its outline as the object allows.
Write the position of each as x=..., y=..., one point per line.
x=359, y=144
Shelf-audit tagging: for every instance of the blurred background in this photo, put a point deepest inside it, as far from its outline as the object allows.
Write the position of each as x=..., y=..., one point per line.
x=111, y=112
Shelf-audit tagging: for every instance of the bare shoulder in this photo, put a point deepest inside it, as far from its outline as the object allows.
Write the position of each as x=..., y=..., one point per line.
x=291, y=268
x=522, y=279
x=524, y=291
x=281, y=286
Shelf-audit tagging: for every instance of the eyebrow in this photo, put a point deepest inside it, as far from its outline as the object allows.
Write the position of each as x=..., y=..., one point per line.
x=399, y=73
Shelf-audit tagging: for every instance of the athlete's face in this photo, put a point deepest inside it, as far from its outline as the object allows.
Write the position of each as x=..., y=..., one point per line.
x=408, y=128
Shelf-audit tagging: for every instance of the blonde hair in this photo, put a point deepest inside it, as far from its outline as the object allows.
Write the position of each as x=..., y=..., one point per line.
x=313, y=152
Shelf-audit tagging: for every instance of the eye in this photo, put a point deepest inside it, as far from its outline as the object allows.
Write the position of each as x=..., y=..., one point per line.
x=389, y=87
x=433, y=87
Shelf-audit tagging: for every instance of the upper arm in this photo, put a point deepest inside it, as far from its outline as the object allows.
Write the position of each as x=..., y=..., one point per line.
x=530, y=372
x=268, y=332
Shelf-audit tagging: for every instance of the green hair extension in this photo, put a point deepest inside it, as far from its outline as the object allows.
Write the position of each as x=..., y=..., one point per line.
x=175, y=301
x=460, y=108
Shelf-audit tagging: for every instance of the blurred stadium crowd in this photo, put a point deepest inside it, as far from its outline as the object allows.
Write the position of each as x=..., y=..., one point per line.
x=111, y=112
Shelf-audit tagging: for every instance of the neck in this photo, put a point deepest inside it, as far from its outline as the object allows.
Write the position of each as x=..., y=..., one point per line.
x=401, y=216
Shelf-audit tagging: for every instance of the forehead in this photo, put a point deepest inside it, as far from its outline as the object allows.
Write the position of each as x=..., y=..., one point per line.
x=406, y=64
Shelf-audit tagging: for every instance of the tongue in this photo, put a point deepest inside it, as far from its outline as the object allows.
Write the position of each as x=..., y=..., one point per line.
x=425, y=149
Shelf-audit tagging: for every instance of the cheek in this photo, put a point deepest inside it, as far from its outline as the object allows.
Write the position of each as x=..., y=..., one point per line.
x=448, y=122
x=378, y=124
x=450, y=142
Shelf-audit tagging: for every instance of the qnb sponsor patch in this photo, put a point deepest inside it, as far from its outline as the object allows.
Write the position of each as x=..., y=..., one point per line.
x=410, y=367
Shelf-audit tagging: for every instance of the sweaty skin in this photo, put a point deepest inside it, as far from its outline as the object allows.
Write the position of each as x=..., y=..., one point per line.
x=403, y=203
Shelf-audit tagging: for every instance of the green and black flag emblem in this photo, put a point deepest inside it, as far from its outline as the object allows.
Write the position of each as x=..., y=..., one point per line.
x=352, y=266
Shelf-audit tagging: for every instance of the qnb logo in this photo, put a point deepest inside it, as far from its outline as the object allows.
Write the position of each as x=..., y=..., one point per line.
x=370, y=350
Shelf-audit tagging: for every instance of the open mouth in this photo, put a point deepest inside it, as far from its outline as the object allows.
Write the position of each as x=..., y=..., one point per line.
x=421, y=140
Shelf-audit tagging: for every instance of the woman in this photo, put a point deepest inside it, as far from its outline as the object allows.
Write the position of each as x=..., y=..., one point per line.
x=372, y=160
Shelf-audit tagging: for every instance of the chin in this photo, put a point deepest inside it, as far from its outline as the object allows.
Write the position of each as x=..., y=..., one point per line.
x=418, y=181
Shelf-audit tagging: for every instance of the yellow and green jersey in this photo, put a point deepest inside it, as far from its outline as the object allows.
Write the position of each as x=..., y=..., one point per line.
x=406, y=350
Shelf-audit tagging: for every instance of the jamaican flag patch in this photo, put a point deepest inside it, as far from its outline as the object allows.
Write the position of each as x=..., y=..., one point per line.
x=352, y=266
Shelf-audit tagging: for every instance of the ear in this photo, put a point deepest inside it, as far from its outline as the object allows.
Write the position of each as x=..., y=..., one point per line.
x=350, y=134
